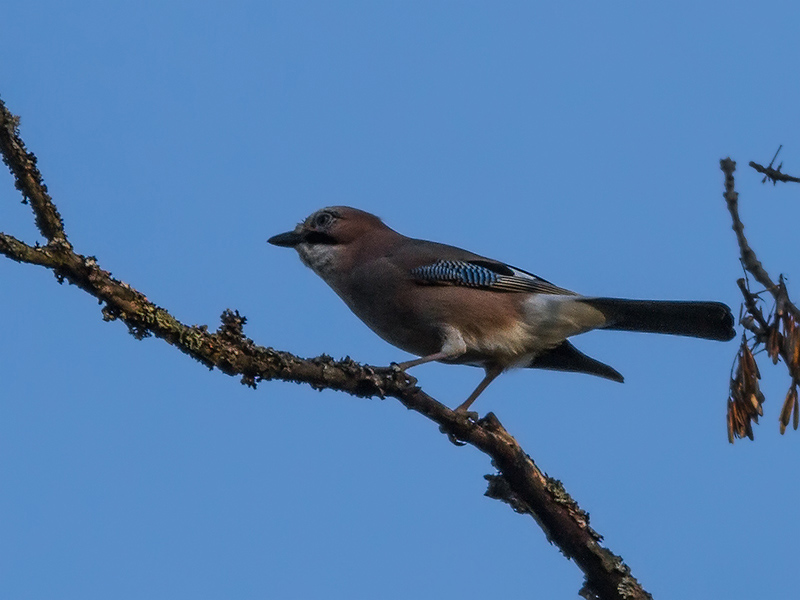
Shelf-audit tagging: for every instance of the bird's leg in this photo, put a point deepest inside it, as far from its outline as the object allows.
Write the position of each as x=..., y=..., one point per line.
x=425, y=359
x=491, y=374
x=453, y=347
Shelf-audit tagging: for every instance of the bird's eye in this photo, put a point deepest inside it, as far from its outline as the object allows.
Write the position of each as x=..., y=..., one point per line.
x=322, y=220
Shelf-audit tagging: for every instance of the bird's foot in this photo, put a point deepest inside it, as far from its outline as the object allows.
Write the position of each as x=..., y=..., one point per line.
x=470, y=414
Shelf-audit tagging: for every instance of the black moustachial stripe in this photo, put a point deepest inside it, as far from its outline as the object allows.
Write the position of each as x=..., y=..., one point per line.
x=317, y=237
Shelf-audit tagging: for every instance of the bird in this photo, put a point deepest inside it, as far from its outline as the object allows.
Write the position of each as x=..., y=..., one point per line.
x=442, y=303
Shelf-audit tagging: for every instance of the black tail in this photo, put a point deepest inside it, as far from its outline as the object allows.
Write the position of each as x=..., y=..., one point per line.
x=709, y=320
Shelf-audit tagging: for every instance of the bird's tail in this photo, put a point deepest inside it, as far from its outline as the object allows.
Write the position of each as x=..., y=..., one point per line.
x=709, y=320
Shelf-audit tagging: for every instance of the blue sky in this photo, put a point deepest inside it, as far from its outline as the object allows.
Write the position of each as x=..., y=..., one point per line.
x=580, y=142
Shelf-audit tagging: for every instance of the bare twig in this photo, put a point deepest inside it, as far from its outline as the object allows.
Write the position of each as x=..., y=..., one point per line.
x=748, y=256
x=774, y=175
x=519, y=481
x=778, y=333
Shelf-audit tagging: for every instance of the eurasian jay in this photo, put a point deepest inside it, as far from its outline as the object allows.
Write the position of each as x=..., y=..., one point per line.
x=446, y=304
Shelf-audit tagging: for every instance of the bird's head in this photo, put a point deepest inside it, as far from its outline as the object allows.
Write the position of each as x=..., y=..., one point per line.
x=331, y=238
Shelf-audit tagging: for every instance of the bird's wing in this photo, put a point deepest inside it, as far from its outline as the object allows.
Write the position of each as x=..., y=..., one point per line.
x=484, y=274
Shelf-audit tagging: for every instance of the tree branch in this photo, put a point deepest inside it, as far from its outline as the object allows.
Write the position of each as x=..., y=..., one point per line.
x=774, y=175
x=779, y=333
x=519, y=481
x=28, y=179
x=748, y=256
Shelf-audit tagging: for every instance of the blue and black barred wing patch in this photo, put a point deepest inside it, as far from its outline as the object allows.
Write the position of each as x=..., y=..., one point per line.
x=485, y=275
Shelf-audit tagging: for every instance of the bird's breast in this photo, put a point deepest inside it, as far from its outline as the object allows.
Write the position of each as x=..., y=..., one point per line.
x=425, y=319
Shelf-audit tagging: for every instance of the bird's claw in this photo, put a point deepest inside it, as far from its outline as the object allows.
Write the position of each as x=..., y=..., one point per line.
x=452, y=437
x=471, y=415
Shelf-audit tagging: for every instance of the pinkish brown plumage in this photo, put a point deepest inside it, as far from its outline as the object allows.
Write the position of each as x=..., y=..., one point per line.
x=446, y=304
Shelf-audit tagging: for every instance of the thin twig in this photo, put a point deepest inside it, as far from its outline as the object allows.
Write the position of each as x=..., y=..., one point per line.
x=774, y=175
x=748, y=256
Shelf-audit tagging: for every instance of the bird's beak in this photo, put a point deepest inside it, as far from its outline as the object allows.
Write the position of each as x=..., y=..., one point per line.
x=290, y=239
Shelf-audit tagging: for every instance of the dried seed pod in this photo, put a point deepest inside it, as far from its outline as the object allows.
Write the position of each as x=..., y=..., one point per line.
x=756, y=405
x=794, y=357
x=750, y=366
x=749, y=406
x=796, y=416
x=788, y=322
x=734, y=389
x=730, y=423
x=741, y=422
x=734, y=412
x=774, y=341
x=787, y=408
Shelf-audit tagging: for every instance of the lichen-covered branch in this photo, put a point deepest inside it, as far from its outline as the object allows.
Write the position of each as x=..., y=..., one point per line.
x=28, y=179
x=519, y=481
